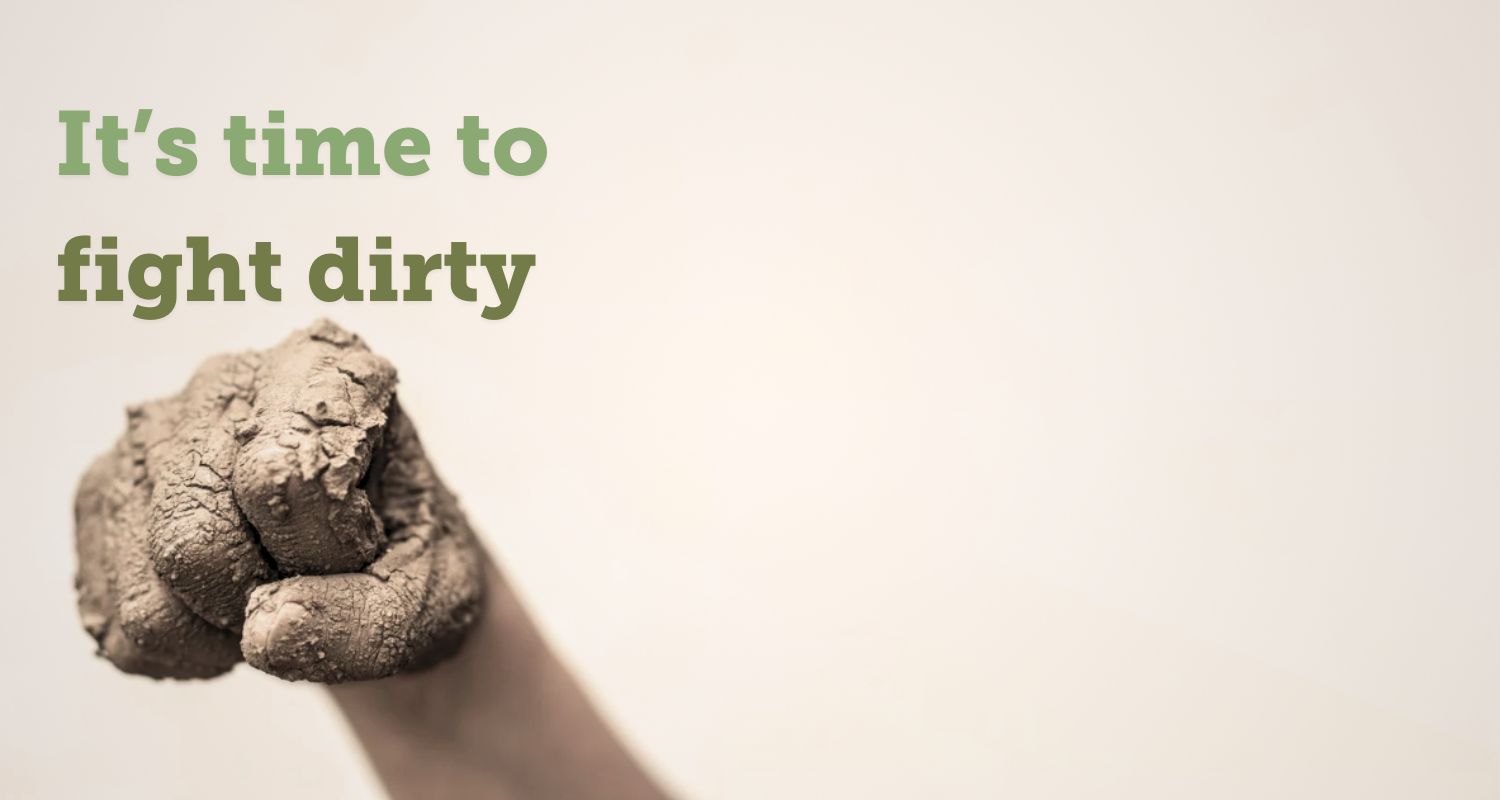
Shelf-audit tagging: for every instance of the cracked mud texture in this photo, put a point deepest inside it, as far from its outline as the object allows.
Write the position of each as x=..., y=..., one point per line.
x=280, y=510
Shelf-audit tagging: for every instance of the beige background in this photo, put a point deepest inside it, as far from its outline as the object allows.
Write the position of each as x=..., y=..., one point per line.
x=1041, y=400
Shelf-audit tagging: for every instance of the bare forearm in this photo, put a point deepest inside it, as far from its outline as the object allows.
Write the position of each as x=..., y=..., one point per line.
x=503, y=718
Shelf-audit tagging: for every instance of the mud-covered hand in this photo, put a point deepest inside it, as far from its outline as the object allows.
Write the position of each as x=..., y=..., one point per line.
x=280, y=509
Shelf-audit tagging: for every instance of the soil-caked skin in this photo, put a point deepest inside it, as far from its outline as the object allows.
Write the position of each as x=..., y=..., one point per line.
x=280, y=510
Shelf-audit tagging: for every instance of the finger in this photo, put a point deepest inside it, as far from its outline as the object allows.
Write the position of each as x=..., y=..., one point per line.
x=151, y=632
x=320, y=407
x=96, y=599
x=409, y=609
x=198, y=539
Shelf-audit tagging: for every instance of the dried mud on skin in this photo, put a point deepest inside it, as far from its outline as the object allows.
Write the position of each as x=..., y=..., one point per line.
x=278, y=510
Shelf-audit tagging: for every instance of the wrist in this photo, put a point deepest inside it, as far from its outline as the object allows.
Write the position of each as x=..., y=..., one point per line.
x=501, y=717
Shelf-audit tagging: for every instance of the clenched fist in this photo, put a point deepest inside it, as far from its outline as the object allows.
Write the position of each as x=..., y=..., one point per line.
x=279, y=509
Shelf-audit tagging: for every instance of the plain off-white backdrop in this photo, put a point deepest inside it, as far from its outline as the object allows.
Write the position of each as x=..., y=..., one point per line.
x=960, y=400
